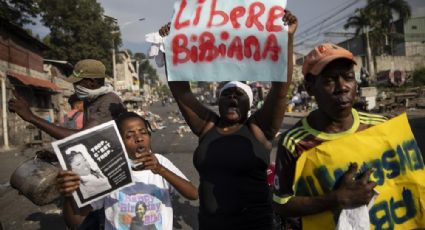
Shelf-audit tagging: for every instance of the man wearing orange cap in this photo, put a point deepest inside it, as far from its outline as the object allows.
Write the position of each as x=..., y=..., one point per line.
x=101, y=104
x=329, y=76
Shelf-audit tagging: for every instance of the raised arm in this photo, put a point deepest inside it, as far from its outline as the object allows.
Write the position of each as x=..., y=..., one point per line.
x=270, y=116
x=22, y=108
x=197, y=116
x=184, y=187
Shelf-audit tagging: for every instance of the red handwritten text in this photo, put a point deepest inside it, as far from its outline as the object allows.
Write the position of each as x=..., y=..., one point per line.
x=253, y=12
x=239, y=48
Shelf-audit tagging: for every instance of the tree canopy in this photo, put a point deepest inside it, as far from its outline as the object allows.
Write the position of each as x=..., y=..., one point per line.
x=147, y=73
x=79, y=30
x=378, y=17
x=19, y=12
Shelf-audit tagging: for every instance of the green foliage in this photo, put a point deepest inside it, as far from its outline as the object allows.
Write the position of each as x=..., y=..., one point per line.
x=19, y=12
x=148, y=73
x=163, y=90
x=419, y=77
x=378, y=17
x=79, y=30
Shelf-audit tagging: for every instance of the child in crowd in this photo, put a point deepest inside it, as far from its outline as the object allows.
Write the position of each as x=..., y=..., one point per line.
x=147, y=203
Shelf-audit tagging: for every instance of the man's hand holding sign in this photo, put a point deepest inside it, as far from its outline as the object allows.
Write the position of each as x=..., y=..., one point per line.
x=214, y=40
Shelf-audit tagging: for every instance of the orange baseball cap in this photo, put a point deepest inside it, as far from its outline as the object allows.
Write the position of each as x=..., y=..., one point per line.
x=322, y=55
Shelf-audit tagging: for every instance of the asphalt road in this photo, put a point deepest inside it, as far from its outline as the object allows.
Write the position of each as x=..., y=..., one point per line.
x=17, y=212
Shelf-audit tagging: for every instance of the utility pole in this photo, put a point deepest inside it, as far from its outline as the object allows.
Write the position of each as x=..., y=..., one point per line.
x=114, y=72
x=115, y=21
x=370, y=65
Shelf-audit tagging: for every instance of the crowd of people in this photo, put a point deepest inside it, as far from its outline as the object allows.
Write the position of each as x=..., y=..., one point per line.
x=233, y=151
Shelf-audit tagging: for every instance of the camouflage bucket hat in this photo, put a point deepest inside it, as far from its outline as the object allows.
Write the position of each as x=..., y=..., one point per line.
x=88, y=68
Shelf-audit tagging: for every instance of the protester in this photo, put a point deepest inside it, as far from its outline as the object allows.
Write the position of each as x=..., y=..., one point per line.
x=234, y=149
x=74, y=118
x=329, y=77
x=154, y=182
x=101, y=104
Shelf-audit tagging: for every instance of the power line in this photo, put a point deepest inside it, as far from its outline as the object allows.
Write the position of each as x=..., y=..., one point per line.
x=326, y=28
x=331, y=11
x=338, y=11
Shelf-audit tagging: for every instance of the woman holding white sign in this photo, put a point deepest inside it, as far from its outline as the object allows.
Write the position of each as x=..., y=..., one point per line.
x=234, y=148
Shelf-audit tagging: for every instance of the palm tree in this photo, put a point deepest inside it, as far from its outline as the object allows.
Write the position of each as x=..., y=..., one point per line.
x=359, y=21
x=385, y=10
x=362, y=22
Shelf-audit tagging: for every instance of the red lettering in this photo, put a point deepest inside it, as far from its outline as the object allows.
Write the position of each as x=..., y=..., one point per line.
x=235, y=48
x=222, y=50
x=214, y=13
x=224, y=35
x=236, y=13
x=194, y=54
x=276, y=12
x=198, y=13
x=252, y=41
x=253, y=17
x=177, y=24
x=179, y=46
x=207, y=50
x=273, y=47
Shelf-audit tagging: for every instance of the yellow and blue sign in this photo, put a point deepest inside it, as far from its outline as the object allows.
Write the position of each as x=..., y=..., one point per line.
x=391, y=149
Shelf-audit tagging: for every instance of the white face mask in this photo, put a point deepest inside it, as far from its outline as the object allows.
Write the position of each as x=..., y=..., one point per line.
x=91, y=94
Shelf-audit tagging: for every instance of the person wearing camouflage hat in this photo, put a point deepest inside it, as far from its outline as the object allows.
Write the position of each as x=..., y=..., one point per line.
x=101, y=104
x=329, y=76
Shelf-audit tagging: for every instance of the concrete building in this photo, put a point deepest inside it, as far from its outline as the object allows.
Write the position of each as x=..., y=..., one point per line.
x=22, y=70
x=406, y=47
x=127, y=76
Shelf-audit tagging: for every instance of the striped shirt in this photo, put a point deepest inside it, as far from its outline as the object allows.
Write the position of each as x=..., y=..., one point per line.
x=303, y=137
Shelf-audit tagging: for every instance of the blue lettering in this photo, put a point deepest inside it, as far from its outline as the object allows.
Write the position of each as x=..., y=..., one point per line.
x=313, y=189
x=403, y=161
x=301, y=188
x=378, y=174
x=325, y=180
x=392, y=166
x=411, y=149
x=380, y=216
x=407, y=203
x=385, y=214
x=338, y=173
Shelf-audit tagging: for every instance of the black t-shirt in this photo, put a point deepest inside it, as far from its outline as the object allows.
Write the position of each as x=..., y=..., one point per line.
x=233, y=189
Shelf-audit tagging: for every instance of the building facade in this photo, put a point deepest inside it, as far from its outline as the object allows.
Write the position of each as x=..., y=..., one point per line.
x=22, y=70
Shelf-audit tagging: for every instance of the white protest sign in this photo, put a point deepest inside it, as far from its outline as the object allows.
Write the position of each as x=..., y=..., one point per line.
x=219, y=40
x=99, y=157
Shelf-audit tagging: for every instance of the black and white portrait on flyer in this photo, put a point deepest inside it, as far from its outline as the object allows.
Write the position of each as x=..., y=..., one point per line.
x=98, y=155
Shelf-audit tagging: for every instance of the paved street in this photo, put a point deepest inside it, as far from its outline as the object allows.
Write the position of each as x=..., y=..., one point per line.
x=18, y=213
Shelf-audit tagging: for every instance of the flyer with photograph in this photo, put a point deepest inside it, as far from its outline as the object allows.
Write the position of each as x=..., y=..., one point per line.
x=98, y=155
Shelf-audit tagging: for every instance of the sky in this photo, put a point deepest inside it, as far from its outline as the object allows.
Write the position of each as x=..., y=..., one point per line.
x=312, y=15
x=315, y=17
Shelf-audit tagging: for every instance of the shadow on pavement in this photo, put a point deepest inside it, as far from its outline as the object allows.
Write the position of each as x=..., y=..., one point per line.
x=47, y=221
